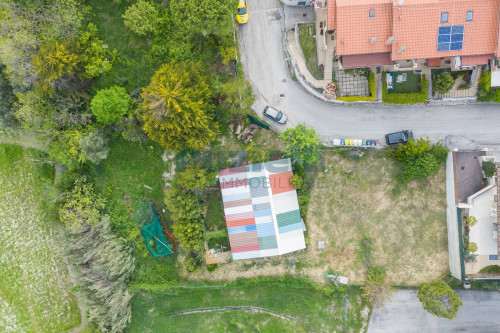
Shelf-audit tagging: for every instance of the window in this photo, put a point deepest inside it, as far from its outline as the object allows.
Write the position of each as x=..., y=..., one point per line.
x=493, y=257
x=470, y=16
x=372, y=12
x=444, y=17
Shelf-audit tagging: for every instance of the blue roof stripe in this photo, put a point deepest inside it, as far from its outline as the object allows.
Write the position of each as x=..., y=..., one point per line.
x=243, y=228
x=265, y=229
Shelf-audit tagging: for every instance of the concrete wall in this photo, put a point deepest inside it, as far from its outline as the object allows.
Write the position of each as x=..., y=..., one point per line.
x=451, y=218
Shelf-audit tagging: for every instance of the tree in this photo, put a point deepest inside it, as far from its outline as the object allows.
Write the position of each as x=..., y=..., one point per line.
x=203, y=16
x=109, y=105
x=301, y=145
x=96, y=59
x=442, y=82
x=82, y=207
x=472, y=247
x=439, y=299
x=193, y=179
x=471, y=221
x=142, y=18
x=94, y=146
x=65, y=148
x=53, y=61
x=238, y=95
x=489, y=168
x=178, y=113
x=106, y=265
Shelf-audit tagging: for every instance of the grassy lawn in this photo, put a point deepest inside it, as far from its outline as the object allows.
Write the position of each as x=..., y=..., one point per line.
x=312, y=310
x=353, y=199
x=135, y=67
x=35, y=288
x=307, y=34
x=412, y=83
x=134, y=170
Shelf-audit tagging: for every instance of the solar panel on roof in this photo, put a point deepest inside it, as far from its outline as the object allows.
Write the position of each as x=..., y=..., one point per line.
x=450, y=38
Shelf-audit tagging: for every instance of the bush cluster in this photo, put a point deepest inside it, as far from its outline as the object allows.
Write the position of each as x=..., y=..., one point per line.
x=405, y=98
x=418, y=158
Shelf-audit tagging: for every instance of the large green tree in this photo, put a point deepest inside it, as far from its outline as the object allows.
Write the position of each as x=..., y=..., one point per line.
x=442, y=82
x=439, y=299
x=203, y=16
x=142, y=18
x=82, y=208
x=238, y=95
x=53, y=61
x=178, y=112
x=109, y=105
x=301, y=145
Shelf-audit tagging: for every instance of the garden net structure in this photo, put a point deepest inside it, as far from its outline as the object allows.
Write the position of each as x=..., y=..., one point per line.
x=152, y=231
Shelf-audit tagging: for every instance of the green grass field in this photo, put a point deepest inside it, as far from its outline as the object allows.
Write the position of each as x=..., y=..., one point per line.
x=311, y=310
x=307, y=40
x=35, y=289
x=412, y=83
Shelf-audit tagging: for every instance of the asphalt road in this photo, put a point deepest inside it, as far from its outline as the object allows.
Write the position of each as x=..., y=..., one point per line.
x=404, y=314
x=260, y=42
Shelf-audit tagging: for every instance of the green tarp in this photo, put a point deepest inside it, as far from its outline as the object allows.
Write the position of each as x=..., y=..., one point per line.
x=154, y=239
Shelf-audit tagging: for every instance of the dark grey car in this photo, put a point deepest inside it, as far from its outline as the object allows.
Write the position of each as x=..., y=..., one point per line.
x=398, y=137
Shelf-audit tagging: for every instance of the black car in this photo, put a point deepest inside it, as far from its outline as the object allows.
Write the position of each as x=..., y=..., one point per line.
x=398, y=137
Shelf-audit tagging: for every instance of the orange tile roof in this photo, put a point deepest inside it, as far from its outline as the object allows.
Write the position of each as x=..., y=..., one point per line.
x=416, y=24
x=355, y=29
x=331, y=10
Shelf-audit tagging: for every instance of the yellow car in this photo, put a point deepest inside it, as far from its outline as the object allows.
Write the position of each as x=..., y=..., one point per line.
x=242, y=12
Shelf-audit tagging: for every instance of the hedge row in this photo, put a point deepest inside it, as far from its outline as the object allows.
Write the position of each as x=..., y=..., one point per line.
x=484, y=94
x=373, y=95
x=405, y=98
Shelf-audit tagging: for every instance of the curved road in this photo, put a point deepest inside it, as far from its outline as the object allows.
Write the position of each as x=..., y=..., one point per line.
x=260, y=42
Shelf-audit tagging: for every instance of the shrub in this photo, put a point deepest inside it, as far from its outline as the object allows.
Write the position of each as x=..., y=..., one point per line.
x=373, y=93
x=471, y=221
x=256, y=154
x=297, y=181
x=109, y=105
x=192, y=262
x=439, y=299
x=488, y=168
x=472, y=247
x=442, y=82
x=405, y=98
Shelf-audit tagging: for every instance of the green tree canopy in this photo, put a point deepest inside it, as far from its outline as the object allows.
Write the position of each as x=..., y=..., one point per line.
x=178, y=113
x=301, y=145
x=238, y=94
x=109, y=105
x=203, y=16
x=82, y=207
x=53, y=61
x=489, y=168
x=442, y=82
x=439, y=299
x=94, y=146
x=142, y=18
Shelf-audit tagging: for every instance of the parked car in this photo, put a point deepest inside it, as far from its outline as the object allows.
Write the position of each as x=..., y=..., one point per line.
x=275, y=115
x=398, y=137
x=242, y=12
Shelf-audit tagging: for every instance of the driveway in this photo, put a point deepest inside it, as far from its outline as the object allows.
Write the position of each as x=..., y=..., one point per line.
x=263, y=61
x=404, y=313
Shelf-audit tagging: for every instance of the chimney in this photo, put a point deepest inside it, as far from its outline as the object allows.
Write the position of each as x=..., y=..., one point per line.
x=373, y=40
x=389, y=40
x=401, y=49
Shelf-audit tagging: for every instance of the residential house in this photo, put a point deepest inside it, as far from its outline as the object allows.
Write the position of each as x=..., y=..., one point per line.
x=407, y=34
